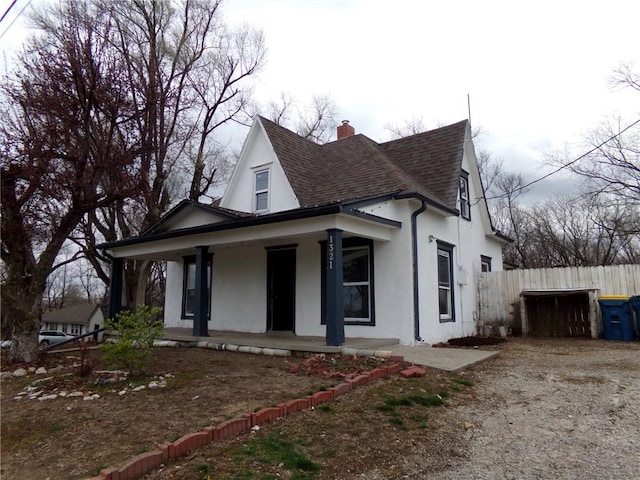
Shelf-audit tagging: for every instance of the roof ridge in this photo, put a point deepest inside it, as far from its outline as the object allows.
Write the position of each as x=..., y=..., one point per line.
x=382, y=159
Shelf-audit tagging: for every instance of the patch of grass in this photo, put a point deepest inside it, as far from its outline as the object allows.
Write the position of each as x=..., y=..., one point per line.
x=385, y=408
x=58, y=427
x=203, y=470
x=398, y=421
x=427, y=400
x=99, y=468
x=183, y=380
x=325, y=408
x=463, y=381
x=276, y=451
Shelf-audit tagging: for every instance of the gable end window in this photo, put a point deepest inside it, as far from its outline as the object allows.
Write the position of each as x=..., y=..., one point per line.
x=465, y=200
x=357, y=286
x=189, y=287
x=445, y=282
x=261, y=191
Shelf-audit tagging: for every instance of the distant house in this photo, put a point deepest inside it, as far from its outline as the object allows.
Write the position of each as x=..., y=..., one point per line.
x=353, y=238
x=75, y=320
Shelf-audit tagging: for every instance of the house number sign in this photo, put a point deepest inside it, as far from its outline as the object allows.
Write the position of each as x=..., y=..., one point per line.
x=330, y=252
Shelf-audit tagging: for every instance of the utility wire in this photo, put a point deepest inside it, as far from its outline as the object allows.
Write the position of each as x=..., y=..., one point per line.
x=14, y=20
x=566, y=165
x=8, y=10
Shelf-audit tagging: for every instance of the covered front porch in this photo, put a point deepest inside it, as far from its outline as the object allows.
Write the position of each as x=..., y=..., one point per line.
x=234, y=264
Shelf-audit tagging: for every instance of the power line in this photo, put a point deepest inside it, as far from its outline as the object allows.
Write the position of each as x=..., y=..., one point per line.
x=14, y=20
x=8, y=10
x=566, y=165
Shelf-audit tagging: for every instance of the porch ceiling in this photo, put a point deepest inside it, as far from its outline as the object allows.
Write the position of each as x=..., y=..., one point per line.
x=174, y=245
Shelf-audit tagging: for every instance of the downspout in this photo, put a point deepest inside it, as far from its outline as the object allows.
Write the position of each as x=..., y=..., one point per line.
x=414, y=252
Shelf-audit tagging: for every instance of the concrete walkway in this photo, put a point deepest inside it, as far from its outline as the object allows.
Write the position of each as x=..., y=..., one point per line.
x=449, y=359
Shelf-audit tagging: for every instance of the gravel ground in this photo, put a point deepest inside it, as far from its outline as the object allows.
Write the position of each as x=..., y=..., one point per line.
x=550, y=409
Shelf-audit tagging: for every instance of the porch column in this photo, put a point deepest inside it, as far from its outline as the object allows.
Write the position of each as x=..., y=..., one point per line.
x=334, y=306
x=200, y=327
x=115, y=288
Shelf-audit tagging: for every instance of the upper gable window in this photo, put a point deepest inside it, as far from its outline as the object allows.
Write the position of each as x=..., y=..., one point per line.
x=261, y=191
x=465, y=202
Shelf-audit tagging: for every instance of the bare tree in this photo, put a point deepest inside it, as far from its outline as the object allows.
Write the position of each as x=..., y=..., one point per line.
x=315, y=121
x=188, y=74
x=410, y=126
x=67, y=148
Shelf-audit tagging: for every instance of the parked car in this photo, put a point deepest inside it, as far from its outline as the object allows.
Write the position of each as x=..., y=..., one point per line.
x=51, y=337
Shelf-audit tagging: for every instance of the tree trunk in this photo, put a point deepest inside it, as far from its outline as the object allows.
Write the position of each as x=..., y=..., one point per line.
x=23, y=308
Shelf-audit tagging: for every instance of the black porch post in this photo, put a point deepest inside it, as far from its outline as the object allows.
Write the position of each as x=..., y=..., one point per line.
x=115, y=287
x=334, y=302
x=200, y=311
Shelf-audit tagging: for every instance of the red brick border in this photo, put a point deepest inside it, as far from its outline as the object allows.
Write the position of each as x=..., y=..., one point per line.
x=143, y=463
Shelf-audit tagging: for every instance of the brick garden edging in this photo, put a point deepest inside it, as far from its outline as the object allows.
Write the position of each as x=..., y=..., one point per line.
x=145, y=462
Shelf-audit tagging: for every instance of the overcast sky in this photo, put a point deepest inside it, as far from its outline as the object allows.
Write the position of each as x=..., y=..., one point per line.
x=536, y=72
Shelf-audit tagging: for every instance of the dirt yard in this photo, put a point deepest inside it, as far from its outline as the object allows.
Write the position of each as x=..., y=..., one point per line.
x=561, y=409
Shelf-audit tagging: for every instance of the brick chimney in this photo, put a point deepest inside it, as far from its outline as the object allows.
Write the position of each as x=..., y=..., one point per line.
x=345, y=130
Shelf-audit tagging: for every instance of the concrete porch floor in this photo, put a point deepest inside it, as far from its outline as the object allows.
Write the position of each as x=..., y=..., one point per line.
x=279, y=340
x=449, y=359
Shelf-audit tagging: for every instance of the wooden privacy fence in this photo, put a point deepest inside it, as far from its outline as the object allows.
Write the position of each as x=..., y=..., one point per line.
x=501, y=297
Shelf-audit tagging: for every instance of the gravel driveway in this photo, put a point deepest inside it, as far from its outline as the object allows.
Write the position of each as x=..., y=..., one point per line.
x=550, y=409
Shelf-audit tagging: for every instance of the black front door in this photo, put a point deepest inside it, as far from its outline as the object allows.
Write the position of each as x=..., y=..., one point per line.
x=281, y=289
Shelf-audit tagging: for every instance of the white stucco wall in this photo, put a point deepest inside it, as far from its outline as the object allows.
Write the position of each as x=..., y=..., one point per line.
x=471, y=241
x=257, y=155
x=239, y=293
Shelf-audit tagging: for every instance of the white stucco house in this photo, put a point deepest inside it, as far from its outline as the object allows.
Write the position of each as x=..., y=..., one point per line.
x=353, y=238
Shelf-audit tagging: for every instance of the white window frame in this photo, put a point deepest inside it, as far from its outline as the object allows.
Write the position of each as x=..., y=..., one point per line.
x=366, y=282
x=485, y=264
x=465, y=200
x=262, y=191
x=445, y=250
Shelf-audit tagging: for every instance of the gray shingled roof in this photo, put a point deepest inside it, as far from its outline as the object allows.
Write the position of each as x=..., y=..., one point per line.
x=357, y=167
x=80, y=313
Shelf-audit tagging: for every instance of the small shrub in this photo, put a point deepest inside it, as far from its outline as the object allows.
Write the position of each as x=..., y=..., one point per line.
x=325, y=408
x=57, y=428
x=136, y=332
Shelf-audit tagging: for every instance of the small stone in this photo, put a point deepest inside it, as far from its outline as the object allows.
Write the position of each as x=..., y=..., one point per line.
x=468, y=425
x=32, y=369
x=4, y=375
x=141, y=387
x=18, y=398
x=122, y=392
x=52, y=396
x=153, y=385
x=76, y=394
x=41, y=371
x=68, y=408
x=88, y=397
x=20, y=372
x=63, y=394
x=255, y=428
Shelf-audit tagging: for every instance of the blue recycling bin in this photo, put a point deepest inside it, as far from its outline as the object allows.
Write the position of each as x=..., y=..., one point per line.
x=635, y=305
x=616, y=317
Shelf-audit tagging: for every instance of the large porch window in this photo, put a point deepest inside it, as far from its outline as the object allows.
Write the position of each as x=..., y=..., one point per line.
x=189, y=287
x=357, y=286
